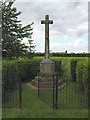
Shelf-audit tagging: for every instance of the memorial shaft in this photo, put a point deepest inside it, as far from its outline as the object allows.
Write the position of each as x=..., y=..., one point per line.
x=47, y=41
x=47, y=22
x=47, y=65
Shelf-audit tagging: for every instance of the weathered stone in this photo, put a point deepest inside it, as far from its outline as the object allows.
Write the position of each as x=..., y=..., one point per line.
x=47, y=65
x=47, y=83
x=46, y=22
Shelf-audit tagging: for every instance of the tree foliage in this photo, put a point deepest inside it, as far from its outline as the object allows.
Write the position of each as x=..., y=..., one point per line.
x=13, y=32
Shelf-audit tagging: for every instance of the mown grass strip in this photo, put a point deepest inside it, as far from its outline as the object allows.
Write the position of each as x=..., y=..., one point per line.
x=33, y=107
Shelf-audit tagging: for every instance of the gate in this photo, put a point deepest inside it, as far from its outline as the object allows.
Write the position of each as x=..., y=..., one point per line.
x=11, y=93
x=60, y=93
x=48, y=88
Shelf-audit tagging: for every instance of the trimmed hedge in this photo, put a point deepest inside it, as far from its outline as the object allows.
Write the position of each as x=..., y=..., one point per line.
x=9, y=78
x=9, y=75
x=66, y=71
x=28, y=68
x=64, y=54
x=82, y=75
x=57, y=65
x=73, y=70
x=70, y=69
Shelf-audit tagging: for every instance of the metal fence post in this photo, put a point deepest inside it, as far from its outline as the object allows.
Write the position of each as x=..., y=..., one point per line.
x=20, y=91
x=56, y=91
x=53, y=89
x=38, y=84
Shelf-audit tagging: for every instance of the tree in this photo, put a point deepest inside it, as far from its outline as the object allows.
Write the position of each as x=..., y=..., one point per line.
x=31, y=46
x=13, y=32
x=51, y=54
x=31, y=49
x=66, y=51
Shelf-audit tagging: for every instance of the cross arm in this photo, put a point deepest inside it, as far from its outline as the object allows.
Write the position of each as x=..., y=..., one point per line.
x=50, y=21
x=47, y=22
x=43, y=21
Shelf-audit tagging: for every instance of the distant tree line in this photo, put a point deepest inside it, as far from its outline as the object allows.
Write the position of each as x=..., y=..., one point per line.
x=56, y=54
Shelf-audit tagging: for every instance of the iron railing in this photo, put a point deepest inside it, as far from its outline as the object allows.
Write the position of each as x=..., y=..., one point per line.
x=60, y=93
x=11, y=96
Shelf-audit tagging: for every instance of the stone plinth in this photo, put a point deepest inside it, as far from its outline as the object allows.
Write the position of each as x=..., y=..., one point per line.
x=47, y=66
x=46, y=82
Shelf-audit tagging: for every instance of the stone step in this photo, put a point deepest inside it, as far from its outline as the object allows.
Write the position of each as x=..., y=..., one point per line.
x=51, y=88
x=34, y=83
x=62, y=86
x=50, y=82
x=46, y=82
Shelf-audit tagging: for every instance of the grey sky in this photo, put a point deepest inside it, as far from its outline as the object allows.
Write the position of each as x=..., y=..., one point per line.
x=70, y=24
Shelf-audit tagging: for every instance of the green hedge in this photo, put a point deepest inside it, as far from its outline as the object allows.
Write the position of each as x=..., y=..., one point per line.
x=9, y=74
x=62, y=65
x=73, y=70
x=66, y=71
x=28, y=68
x=9, y=78
x=57, y=65
x=64, y=54
x=82, y=75
x=70, y=69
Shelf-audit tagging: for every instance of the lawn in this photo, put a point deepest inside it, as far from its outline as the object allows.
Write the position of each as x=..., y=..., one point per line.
x=33, y=107
x=68, y=97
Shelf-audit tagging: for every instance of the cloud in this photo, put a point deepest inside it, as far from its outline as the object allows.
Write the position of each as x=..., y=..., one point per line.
x=69, y=47
x=77, y=42
x=70, y=21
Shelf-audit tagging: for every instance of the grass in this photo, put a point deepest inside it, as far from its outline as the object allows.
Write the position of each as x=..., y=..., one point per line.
x=33, y=107
x=71, y=96
x=12, y=99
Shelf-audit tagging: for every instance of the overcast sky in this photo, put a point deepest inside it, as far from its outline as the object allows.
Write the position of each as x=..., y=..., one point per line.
x=69, y=30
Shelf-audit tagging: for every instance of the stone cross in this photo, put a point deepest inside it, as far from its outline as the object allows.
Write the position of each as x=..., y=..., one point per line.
x=46, y=22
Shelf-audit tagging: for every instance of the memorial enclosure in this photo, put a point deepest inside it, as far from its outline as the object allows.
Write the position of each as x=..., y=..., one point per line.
x=62, y=82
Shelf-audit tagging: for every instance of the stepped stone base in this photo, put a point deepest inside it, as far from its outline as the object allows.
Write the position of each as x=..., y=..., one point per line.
x=35, y=81
x=47, y=83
